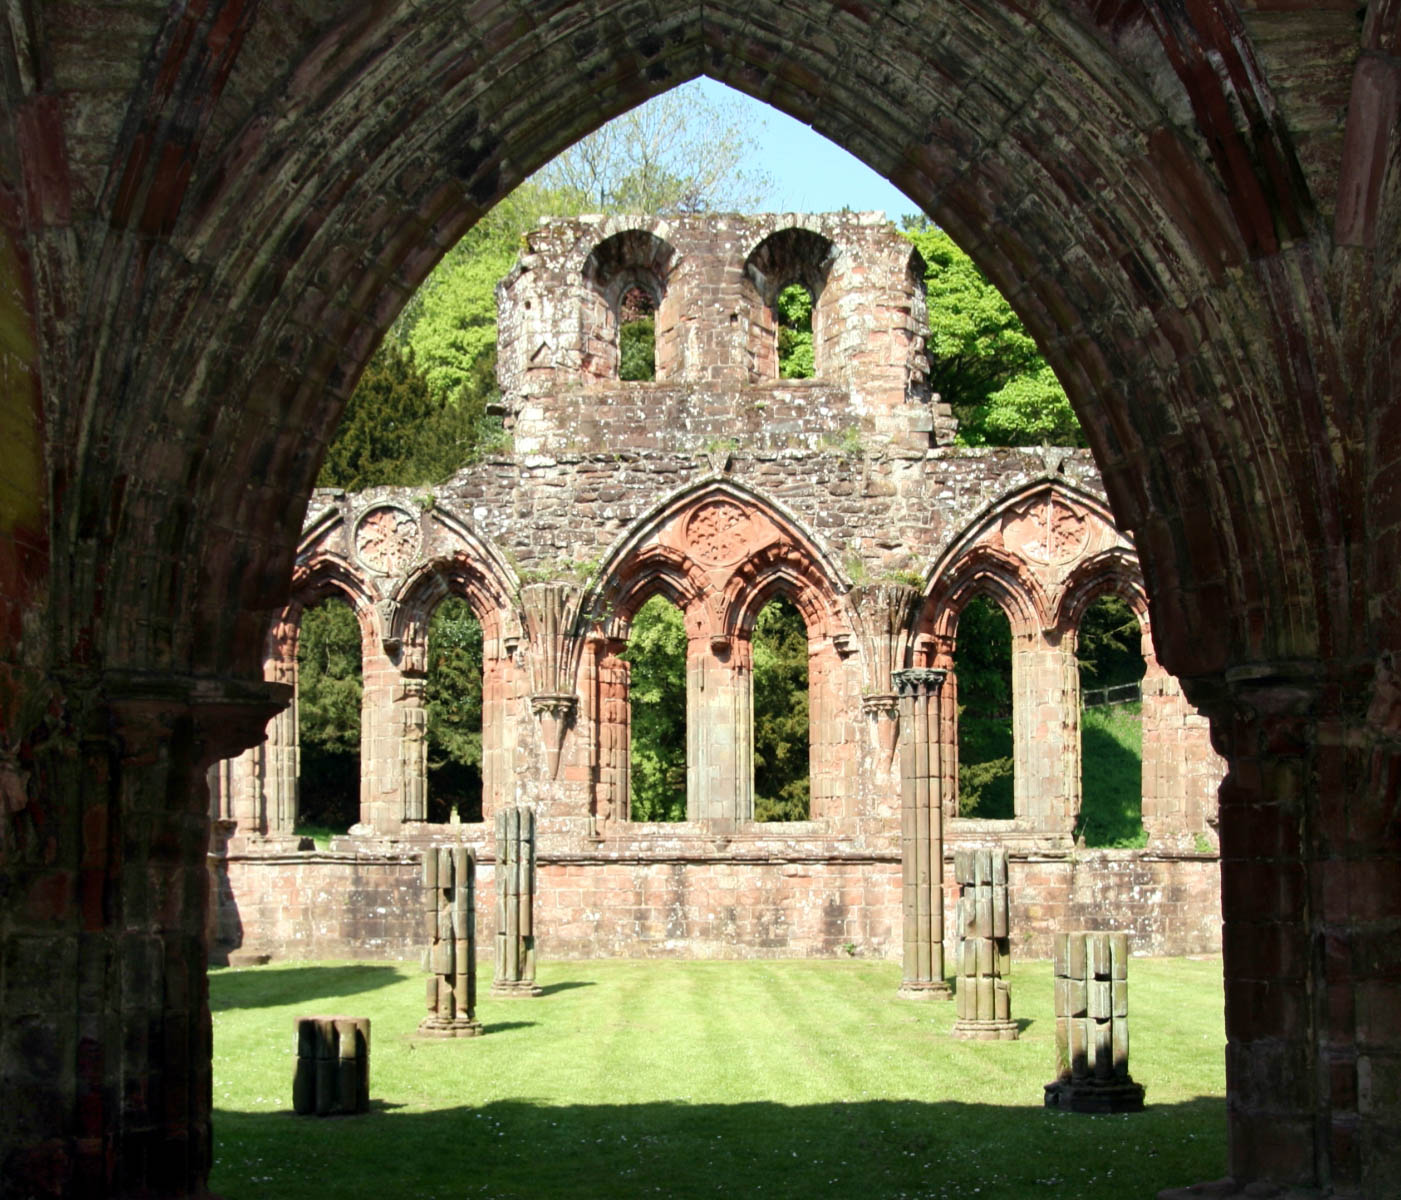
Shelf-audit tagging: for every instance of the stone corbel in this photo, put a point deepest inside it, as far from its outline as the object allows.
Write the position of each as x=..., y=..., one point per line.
x=884, y=710
x=387, y=611
x=555, y=711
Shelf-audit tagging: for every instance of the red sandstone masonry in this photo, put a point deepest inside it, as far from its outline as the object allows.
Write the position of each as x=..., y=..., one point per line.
x=332, y=905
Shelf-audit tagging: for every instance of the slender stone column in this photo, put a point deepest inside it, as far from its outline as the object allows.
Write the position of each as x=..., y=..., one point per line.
x=921, y=833
x=719, y=731
x=413, y=749
x=515, y=903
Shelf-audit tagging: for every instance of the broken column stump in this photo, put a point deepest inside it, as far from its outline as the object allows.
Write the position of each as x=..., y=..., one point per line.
x=515, y=903
x=983, y=998
x=1092, y=1025
x=449, y=921
x=332, y=1076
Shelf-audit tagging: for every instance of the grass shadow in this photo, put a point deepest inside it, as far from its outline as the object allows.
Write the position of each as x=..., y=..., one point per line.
x=504, y=1026
x=254, y=988
x=565, y=985
x=880, y=1148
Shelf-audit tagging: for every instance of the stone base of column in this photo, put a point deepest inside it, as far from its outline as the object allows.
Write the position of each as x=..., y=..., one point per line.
x=1091, y=1096
x=517, y=989
x=986, y=1031
x=911, y=989
x=454, y=1027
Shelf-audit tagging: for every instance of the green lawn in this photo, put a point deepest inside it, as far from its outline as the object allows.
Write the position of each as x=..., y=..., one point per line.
x=783, y=1079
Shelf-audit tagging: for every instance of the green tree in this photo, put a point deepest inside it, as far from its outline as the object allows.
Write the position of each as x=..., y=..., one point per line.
x=781, y=771
x=795, y=353
x=657, y=693
x=328, y=695
x=983, y=668
x=453, y=697
x=982, y=360
x=397, y=430
x=1109, y=646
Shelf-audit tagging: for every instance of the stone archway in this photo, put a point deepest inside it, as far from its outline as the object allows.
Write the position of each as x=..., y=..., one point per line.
x=1194, y=212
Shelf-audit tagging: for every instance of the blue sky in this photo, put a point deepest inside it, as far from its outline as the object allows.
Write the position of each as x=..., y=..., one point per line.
x=810, y=173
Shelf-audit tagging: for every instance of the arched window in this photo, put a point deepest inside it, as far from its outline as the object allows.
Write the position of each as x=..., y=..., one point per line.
x=328, y=714
x=983, y=669
x=656, y=655
x=453, y=697
x=1110, y=654
x=625, y=285
x=784, y=276
x=781, y=714
x=637, y=336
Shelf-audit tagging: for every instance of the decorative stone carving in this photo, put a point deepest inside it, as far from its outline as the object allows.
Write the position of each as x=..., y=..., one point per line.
x=387, y=539
x=1047, y=529
x=450, y=922
x=718, y=533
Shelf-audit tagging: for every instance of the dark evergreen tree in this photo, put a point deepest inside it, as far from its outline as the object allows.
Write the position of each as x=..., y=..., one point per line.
x=781, y=770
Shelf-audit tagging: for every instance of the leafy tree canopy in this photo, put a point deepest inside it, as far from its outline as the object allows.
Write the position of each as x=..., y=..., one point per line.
x=795, y=354
x=1109, y=645
x=982, y=360
x=453, y=698
x=328, y=697
x=781, y=783
x=657, y=692
x=983, y=666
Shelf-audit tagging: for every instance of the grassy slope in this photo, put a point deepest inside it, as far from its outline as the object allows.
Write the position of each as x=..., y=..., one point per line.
x=782, y=1079
x=1111, y=788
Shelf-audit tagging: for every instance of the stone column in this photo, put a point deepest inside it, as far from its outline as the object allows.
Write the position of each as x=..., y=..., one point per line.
x=413, y=749
x=1181, y=770
x=381, y=749
x=450, y=931
x=719, y=731
x=921, y=834
x=281, y=755
x=1046, y=734
x=611, y=799
x=984, y=962
x=515, y=904
x=105, y=1018
x=1311, y=905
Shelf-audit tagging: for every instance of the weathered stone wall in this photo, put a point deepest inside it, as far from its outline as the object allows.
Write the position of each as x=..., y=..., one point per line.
x=681, y=900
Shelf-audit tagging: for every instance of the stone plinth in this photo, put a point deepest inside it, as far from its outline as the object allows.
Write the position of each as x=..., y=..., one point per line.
x=1092, y=1026
x=333, y=1066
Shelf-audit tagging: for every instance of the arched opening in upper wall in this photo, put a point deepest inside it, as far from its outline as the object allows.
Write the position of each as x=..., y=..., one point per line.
x=785, y=264
x=630, y=314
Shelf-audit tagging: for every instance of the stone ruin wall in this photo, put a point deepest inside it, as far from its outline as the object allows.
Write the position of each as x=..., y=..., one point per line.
x=718, y=485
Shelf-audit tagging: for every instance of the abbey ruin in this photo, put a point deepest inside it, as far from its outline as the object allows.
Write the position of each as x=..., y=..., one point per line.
x=718, y=485
x=211, y=212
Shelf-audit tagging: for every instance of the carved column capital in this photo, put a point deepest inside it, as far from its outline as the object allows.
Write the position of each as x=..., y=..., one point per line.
x=918, y=681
